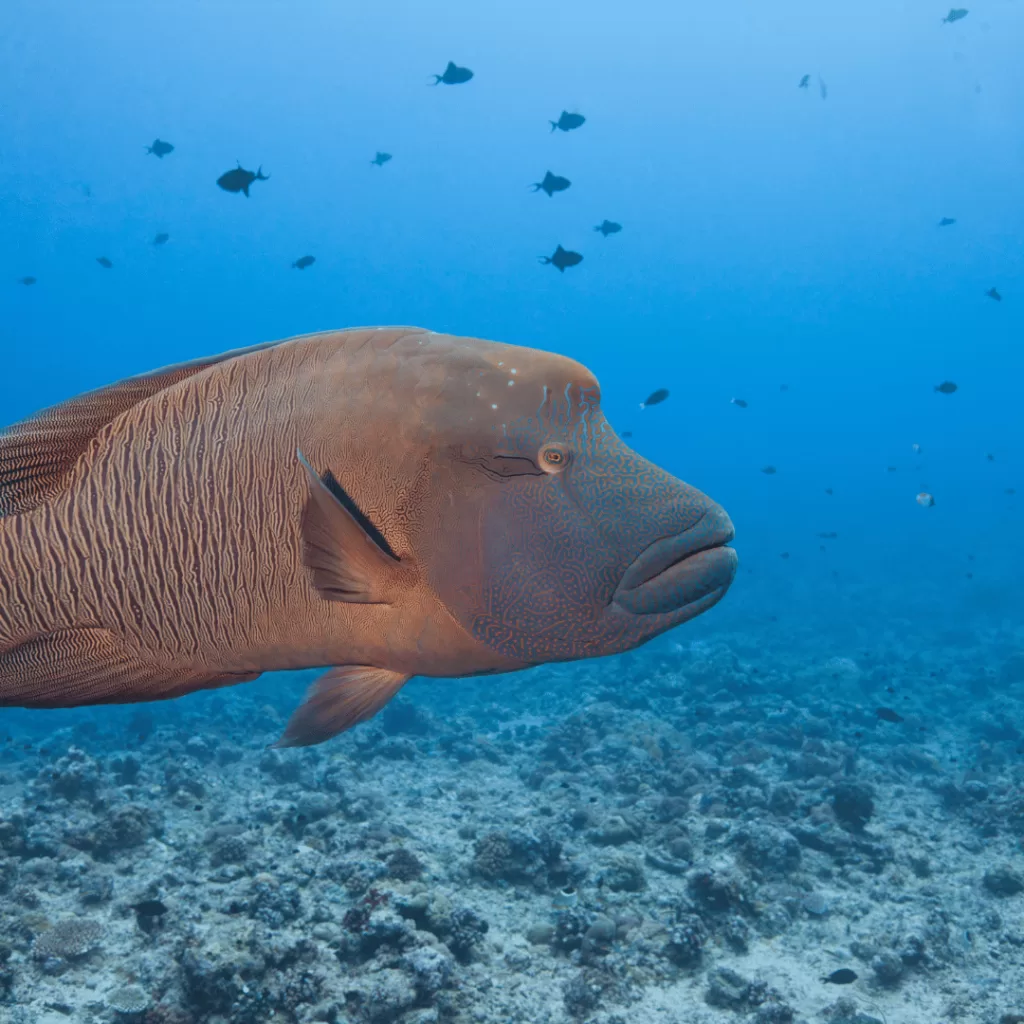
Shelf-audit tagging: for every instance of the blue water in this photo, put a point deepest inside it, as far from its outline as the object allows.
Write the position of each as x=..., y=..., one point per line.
x=770, y=237
x=778, y=247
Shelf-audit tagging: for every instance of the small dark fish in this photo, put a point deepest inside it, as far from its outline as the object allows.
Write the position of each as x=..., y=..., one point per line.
x=955, y=14
x=149, y=908
x=161, y=238
x=740, y=402
x=844, y=976
x=655, y=398
x=240, y=179
x=627, y=433
x=783, y=387
x=822, y=88
x=304, y=261
x=1011, y=491
x=804, y=82
x=608, y=227
x=104, y=262
x=990, y=456
x=992, y=293
x=888, y=715
x=551, y=184
x=785, y=554
x=563, y=258
x=769, y=470
x=890, y=469
x=453, y=75
x=26, y=280
x=380, y=159
x=829, y=536
x=828, y=490
x=567, y=122
x=946, y=221
x=947, y=387
x=160, y=148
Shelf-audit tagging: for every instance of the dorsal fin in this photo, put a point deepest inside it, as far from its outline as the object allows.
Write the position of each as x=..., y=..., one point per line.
x=38, y=453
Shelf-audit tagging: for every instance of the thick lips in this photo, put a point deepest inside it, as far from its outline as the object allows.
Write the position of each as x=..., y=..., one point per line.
x=693, y=566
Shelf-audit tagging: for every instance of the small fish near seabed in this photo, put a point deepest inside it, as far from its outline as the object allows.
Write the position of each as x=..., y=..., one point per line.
x=740, y=403
x=304, y=261
x=380, y=159
x=993, y=293
x=822, y=88
x=804, y=82
x=160, y=148
x=161, y=238
x=947, y=221
x=453, y=75
x=947, y=387
x=104, y=262
x=240, y=179
x=551, y=184
x=888, y=715
x=769, y=470
x=27, y=281
x=925, y=500
x=149, y=908
x=563, y=258
x=568, y=122
x=955, y=14
x=844, y=976
x=655, y=398
x=339, y=567
x=608, y=227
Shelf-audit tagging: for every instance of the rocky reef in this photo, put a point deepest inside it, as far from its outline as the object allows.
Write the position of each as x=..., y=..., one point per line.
x=722, y=831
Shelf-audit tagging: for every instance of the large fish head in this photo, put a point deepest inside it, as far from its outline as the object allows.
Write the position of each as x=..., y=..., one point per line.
x=553, y=540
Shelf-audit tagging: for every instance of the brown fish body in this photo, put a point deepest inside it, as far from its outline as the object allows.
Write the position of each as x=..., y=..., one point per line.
x=180, y=528
x=389, y=501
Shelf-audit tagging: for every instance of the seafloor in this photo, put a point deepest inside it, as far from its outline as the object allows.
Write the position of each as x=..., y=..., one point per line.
x=737, y=822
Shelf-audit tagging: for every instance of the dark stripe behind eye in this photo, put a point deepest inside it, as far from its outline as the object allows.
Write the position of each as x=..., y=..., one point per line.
x=331, y=483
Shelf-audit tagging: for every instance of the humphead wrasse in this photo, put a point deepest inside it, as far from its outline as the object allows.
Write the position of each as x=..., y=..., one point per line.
x=385, y=502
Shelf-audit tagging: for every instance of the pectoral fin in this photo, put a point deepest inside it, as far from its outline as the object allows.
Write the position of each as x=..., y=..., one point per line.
x=347, y=563
x=343, y=697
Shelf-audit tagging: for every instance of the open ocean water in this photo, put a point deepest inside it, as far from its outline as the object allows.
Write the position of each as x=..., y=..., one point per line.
x=805, y=805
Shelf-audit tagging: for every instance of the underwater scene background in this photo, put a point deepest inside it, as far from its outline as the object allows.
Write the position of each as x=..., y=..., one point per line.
x=805, y=805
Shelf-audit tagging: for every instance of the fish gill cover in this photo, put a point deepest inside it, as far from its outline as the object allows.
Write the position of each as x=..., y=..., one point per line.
x=803, y=805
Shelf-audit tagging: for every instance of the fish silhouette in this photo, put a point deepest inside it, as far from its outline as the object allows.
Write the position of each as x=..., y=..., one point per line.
x=563, y=258
x=160, y=148
x=240, y=179
x=453, y=75
x=568, y=122
x=551, y=184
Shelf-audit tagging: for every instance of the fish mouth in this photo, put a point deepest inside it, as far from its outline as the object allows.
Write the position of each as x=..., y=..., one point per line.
x=691, y=570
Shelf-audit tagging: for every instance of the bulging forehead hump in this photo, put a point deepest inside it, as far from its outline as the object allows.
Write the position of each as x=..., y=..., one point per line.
x=487, y=385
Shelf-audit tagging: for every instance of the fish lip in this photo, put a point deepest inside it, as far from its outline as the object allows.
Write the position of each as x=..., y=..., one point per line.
x=678, y=571
x=713, y=529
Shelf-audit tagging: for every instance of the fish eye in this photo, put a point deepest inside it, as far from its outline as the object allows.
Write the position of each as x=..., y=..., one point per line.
x=554, y=458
